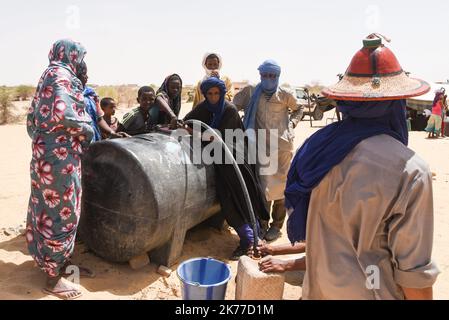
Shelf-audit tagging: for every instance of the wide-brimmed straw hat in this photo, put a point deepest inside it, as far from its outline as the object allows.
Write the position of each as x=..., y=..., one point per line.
x=375, y=74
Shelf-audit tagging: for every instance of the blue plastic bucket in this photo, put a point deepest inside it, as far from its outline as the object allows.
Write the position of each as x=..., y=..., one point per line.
x=204, y=279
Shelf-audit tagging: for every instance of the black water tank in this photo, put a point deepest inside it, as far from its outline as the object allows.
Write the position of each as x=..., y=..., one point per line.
x=141, y=195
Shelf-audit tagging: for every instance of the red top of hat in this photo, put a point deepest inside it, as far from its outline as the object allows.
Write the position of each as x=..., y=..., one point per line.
x=374, y=62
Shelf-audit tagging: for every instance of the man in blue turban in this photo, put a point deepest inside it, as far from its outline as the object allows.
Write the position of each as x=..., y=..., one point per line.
x=269, y=107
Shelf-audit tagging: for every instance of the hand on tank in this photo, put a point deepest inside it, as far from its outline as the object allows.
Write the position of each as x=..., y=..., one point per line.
x=174, y=124
x=181, y=123
x=188, y=128
x=115, y=135
x=123, y=135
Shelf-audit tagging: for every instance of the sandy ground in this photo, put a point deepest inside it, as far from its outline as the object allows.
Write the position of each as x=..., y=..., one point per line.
x=20, y=279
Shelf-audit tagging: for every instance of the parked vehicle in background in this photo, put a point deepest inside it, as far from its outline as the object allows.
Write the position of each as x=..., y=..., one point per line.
x=315, y=105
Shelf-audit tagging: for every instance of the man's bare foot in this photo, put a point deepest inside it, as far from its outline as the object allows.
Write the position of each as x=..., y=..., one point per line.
x=62, y=289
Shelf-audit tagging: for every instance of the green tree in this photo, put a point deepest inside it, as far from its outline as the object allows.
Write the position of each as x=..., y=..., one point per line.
x=5, y=105
x=24, y=92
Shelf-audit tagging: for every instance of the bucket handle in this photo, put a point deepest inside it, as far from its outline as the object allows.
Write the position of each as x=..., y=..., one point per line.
x=196, y=284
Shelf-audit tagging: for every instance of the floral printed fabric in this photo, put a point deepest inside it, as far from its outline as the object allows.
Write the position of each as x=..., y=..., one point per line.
x=60, y=130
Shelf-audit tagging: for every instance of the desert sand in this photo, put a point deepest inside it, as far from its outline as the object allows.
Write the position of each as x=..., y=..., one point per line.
x=20, y=279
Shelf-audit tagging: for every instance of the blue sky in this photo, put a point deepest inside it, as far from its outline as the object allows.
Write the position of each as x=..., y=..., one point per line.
x=143, y=41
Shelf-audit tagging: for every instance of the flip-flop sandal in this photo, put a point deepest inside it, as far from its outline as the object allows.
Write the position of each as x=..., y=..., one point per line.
x=60, y=294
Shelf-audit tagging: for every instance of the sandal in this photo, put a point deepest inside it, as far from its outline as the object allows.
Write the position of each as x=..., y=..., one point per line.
x=64, y=290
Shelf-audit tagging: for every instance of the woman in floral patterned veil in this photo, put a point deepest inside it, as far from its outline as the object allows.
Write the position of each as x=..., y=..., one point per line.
x=60, y=130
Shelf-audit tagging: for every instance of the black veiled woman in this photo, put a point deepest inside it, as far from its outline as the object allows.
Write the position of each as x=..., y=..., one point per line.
x=222, y=115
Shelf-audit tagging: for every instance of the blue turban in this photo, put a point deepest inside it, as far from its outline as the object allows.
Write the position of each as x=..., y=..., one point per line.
x=217, y=109
x=270, y=66
x=268, y=86
x=330, y=145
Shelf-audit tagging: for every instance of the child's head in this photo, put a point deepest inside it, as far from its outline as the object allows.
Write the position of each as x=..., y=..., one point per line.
x=146, y=97
x=212, y=62
x=108, y=106
x=174, y=86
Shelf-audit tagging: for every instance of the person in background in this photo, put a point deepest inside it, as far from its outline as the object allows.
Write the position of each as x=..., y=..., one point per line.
x=435, y=120
x=168, y=99
x=443, y=115
x=142, y=118
x=267, y=107
x=212, y=64
x=108, y=105
x=92, y=102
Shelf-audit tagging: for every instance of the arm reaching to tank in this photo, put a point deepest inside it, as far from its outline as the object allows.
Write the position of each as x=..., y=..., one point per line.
x=266, y=249
x=270, y=264
x=163, y=105
x=112, y=134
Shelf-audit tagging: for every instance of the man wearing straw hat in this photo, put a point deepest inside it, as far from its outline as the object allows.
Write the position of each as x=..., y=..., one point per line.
x=359, y=197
